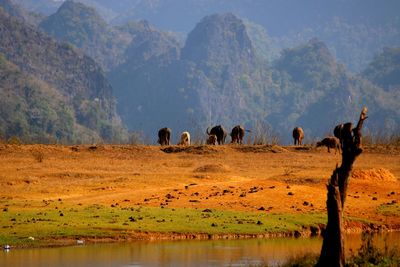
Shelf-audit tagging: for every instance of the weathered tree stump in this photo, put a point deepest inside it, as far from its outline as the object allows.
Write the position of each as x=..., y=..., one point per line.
x=332, y=252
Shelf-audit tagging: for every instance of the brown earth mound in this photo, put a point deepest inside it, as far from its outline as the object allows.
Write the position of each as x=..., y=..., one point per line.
x=380, y=174
x=190, y=149
x=212, y=168
x=261, y=149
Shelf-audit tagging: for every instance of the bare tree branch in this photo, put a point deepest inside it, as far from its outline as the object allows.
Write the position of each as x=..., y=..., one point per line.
x=332, y=252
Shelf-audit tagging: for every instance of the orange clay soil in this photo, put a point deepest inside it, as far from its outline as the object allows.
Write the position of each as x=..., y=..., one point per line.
x=229, y=177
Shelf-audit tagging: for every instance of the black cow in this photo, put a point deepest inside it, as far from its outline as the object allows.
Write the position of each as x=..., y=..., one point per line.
x=237, y=134
x=164, y=135
x=219, y=132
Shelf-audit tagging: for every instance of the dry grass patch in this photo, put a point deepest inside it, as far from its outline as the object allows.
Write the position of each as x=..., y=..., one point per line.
x=261, y=149
x=379, y=174
x=212, y=168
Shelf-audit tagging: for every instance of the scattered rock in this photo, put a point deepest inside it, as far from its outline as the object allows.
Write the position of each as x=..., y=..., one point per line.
x=259, y=223
x=169, y=196
x=297, y=234
x=315, y=230
x=306, y=203
x=255, y=189
x=213, y=225
x=290, y=193
x=261, y=208
x=207, y=210
x=374, y=198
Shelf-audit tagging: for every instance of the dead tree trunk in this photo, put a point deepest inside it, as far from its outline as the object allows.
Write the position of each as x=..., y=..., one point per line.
x=332, y=252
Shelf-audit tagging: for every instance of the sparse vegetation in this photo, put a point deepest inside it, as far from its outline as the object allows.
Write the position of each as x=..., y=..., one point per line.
x=390, y=139
x=38, y=156
x=264, y=134
x=367, y=255
x=14, y=140
x=90, y=221
x=370, y=255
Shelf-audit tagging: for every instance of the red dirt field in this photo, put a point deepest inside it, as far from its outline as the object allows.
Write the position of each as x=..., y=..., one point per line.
x=239, y=178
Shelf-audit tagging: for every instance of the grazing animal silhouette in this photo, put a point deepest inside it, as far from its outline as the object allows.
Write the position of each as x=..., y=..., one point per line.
x=337, y=132
x=298, y=135
x=185, y=139
x=220, y=132
x=330, y=142
x=237, y=134
x=212, y=139
x=164, y=136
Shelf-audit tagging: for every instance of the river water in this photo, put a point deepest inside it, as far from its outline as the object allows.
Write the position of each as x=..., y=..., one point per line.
x=182, y=253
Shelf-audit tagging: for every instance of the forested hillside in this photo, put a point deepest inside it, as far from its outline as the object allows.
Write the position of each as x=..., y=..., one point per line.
x=218, y=78
x=229, y=71
x=83, y=27
x=354, y=31
x=384, y=70
x=76, y=80
x=32, y=110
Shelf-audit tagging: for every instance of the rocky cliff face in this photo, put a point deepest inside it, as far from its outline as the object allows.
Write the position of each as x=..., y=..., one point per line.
x=221, y=40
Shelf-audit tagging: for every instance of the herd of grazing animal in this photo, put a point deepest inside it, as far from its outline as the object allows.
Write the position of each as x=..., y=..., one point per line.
x=217, y=136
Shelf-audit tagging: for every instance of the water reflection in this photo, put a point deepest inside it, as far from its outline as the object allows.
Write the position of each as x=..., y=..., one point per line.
x=181, y=253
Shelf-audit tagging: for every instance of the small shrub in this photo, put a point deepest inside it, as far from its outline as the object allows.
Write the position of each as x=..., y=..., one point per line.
x=264, y=134
x=136, y=138
x=392, y=139
x=369, y=255
x=306, y=260
x=13, y=140
x=38, y=156
x=288, y=171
